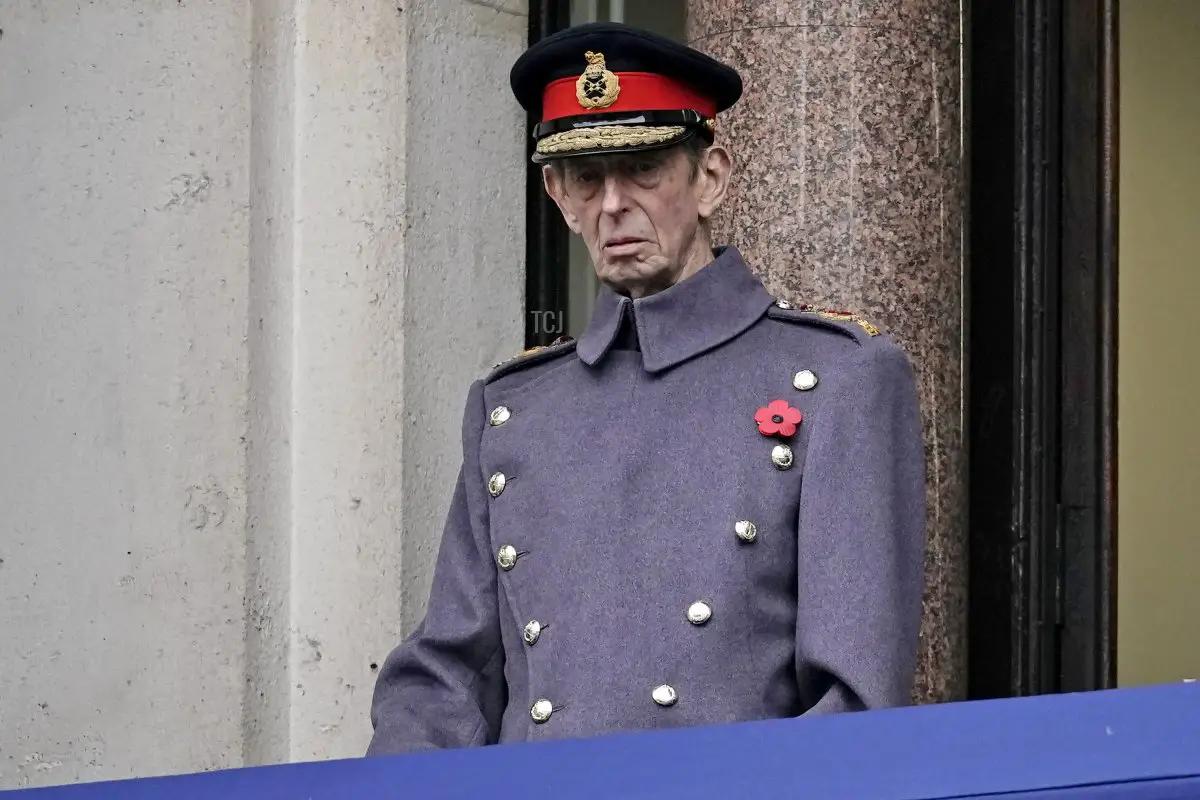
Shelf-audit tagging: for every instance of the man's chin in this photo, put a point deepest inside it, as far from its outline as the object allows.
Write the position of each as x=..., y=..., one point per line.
x=634, y=276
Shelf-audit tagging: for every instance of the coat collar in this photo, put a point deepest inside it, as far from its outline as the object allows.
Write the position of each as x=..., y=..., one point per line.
x=697, y=314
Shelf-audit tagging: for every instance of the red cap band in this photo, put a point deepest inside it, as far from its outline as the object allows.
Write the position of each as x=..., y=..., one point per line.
x=640, y=91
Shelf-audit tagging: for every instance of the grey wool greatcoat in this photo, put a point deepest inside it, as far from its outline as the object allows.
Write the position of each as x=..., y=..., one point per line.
x=626, y=549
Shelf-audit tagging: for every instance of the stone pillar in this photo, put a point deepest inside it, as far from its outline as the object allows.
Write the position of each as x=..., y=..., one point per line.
x=849, y=193
x=383, y=184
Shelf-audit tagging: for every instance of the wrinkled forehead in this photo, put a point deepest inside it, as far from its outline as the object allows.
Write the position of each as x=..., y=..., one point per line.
x=616, y=162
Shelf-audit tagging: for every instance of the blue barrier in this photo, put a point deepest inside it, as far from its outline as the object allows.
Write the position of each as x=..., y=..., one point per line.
x=1130, y=743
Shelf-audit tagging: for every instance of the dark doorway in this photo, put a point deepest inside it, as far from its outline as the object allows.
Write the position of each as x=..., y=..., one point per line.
x=546, y=242
x=1042, y=345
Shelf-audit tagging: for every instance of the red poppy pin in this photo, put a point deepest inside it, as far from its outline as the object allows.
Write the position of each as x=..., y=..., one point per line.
x=778, y=419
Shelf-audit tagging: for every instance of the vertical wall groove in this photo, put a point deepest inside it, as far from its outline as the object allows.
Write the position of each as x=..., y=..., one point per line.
x=270, y=338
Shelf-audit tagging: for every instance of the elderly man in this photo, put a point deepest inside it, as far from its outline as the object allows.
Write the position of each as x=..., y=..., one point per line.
x=709, y=508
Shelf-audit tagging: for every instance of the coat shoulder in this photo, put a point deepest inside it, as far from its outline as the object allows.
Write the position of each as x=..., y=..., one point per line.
x=852, y=327
x=845, y=349
x=533, y=357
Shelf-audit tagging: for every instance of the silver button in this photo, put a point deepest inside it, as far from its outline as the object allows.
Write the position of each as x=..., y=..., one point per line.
x=781, y=456
x=496, y=484
x=805, y=380
x=746, y=530
x=541, y=711
x=499, y=416
x=699, y=612
x=507, y=557
x=532, y=632
x=664, y=695
x=784, y=304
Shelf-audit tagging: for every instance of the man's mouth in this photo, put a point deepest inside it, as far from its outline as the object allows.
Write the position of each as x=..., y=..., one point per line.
x=622, y=245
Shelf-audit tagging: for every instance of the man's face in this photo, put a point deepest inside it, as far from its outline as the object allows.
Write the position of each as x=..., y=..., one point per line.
x=640, y=214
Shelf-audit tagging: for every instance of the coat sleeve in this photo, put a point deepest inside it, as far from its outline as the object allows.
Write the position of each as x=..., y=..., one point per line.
x=444, y=686
x=862, y=538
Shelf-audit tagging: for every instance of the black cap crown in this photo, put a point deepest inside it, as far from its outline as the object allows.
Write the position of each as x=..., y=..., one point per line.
x=605, y=87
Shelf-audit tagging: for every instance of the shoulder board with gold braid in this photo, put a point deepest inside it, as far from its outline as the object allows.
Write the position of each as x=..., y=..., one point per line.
x=534, y=355
x=846, y=322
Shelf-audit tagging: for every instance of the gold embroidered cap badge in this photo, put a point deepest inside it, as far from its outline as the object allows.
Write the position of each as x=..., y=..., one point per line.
x=597, y=87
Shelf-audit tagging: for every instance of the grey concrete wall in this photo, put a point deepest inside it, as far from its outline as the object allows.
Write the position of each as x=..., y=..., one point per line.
x=123, y=267
x=251, y=254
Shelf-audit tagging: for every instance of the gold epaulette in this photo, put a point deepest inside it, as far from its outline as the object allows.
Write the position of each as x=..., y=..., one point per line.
x=846, y=319
x=532, y=355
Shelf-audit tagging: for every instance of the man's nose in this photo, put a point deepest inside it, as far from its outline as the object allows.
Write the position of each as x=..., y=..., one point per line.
x=615, y=196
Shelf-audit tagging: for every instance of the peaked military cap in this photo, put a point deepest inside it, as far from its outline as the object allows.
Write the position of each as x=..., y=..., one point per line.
x=605, y=87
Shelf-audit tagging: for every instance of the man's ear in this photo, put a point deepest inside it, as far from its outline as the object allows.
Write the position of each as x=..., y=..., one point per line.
x=714, y=172
x=552, y=179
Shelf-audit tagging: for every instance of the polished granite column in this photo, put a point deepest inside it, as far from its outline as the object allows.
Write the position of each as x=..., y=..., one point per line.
x=848, y=192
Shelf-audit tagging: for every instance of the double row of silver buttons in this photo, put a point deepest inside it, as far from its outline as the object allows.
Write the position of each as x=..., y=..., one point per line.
x=698, y=613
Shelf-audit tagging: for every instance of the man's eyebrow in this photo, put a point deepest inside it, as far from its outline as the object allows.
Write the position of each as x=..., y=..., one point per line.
x=579, y=165
x=648, y=157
